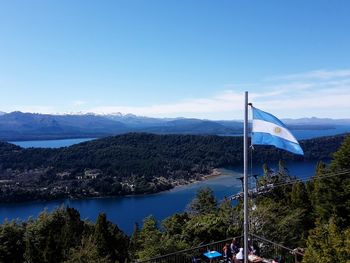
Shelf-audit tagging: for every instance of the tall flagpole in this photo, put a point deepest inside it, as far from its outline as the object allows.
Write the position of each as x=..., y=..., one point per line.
x=245, y=158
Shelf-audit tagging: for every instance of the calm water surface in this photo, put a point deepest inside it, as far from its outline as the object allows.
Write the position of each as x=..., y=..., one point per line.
x=124, y=211
x=51, y=143
x=299, y=134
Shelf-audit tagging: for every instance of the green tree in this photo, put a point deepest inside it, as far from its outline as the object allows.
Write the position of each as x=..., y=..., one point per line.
x=150, y=239
x=278, y=222
x=101, y=236
x=299, y=196
x=52, y=235
x=332, y=187
x=173, y=237
x=229, y=217
x=11, y=242
x=174, y=224
x=300, y=200
x=119, y=243
x=328, y=243
x=204, y=202
x=86, y=253
x=341, y=158
x=134, y=244
x=205, y=228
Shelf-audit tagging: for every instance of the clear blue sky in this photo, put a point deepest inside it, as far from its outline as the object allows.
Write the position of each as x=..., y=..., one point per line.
x=169, y=58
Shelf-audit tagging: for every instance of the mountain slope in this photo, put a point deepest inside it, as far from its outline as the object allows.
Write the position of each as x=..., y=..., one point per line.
x=18, y=125
x=134, y=163
x=29, y=126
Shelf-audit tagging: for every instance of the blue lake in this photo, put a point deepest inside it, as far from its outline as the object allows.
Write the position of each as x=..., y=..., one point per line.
x=50, y=143
x=125, y=211
x=299, y=134
x=308, y=134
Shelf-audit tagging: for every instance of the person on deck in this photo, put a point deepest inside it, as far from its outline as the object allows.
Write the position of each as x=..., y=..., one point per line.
x=227, y=253
x=239, y=256
x=234, y=247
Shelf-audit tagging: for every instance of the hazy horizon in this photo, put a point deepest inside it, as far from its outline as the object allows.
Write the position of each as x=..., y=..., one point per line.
x=176, y=58
x=120, y=114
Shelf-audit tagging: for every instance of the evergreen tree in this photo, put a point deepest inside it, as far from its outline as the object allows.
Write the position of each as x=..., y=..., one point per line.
x=332, y=187
x=11, y=242
x=174, y=224
x=119, y=243
x=204, y=202
x=328, y=243
x=86, y=253
x=101, y=236
x=134, y=241
x=341, y=158
x=150, y=239
x=230, y=218
x=205, y=228
x=276, y=221
x=300, y=200
x=225, y=211
x=299, y=196
x=174, y=237
x=52, y=235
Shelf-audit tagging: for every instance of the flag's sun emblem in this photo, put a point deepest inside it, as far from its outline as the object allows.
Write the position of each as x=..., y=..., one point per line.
x=278, y=130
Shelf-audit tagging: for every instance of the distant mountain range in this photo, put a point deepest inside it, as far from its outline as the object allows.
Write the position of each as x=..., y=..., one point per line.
x=33, y=126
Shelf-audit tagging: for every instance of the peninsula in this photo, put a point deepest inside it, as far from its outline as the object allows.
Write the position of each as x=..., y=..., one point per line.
x=134, y=163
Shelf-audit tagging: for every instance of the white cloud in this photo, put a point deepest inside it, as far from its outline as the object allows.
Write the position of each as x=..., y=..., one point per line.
x=319, y=93
x=224, y=102
x=79, y=103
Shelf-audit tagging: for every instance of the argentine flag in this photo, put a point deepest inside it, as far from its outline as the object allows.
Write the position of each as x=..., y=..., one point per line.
x=268, y=130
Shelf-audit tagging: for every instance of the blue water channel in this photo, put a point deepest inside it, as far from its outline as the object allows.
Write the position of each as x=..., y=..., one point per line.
x=125, y=211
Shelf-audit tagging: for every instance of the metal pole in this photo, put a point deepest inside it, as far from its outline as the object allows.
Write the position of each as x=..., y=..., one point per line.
x=245, y=158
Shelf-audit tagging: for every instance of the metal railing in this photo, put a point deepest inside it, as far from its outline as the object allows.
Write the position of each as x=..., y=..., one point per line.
x=270, y=250
x=187, y=255
x=265, y=248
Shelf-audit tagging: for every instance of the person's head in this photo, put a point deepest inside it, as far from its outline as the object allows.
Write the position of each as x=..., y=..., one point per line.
x=233, y=241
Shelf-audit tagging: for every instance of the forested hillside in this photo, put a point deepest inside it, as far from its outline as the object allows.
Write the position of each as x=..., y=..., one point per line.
x=61, y=236
x=313, y=216
x=134, y=163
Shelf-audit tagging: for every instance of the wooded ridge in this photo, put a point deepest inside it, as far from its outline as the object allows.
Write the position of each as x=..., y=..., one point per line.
x=134, y=163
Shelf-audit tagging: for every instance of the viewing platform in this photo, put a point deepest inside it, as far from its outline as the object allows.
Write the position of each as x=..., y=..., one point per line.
x=266, y=252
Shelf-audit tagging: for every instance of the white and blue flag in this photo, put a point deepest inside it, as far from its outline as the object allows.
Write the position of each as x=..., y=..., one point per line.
x=268, y=130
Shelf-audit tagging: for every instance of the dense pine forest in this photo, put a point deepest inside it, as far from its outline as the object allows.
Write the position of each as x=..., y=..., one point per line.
x=314, y=215
x=135, y=163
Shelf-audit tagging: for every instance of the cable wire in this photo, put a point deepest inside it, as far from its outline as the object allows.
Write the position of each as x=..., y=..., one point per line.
x=311, y=178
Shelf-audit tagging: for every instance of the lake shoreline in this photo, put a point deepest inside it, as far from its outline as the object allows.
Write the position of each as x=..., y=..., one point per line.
x=214, y=173
x=175, y=185
x=125, y=210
